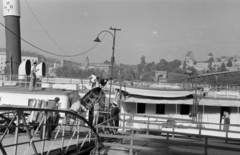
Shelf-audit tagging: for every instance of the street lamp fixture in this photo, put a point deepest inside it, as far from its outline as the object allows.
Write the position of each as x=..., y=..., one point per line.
x=112, y=58
x=97, y=40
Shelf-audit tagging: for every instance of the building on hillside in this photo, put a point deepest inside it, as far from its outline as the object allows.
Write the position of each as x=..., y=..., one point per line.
x=52, y=71
x=215, y=62
x=236, y=58
x=2, y=61
x=224, y=59
x=33, y=57
x=41, y=58
x=189, y=55
x=70, y=64
x=83, y=66
x=236, y=65
x=57, y=64
x=189, y=58
x=201, y=66
x=217, y=59
x=232, y=68
x=210, y=55
x=101, y=66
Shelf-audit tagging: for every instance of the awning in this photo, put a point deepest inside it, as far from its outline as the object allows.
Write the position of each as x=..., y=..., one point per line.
x=148, y=92
x=205, y=101
x=159, y=101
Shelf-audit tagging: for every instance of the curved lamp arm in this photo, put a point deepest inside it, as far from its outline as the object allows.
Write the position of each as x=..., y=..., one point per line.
x=98, y=40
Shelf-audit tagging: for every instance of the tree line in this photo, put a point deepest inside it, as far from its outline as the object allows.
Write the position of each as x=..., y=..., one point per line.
x=145, y=71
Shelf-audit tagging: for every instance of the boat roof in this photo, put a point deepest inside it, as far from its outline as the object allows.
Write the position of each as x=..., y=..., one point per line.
x=180, y=96
x=157, y=93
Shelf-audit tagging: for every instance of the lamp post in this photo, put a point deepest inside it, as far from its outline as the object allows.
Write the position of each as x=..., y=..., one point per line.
x=112, y=58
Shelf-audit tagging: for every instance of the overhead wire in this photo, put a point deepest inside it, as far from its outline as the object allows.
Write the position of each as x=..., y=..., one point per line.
x=46, y=31
x=48, y=51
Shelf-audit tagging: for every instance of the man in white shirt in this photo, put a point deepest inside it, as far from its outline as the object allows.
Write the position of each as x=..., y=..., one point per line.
x=76, y=108
x=33, y=77
x=92, y=80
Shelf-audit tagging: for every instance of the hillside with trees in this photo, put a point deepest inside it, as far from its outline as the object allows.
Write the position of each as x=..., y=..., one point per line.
x=145, y=71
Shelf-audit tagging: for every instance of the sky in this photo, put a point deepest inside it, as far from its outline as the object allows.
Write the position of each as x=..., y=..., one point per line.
x=156, y=29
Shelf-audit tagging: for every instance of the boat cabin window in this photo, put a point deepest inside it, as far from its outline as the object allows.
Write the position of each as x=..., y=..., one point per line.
x=141, y=107
x=184, y=109
x=160, y=109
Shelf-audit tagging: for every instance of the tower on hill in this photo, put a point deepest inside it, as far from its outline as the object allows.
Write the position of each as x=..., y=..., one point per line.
x=210, y=55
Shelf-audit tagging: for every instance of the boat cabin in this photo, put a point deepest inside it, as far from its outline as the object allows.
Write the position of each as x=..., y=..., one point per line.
x=176, y=103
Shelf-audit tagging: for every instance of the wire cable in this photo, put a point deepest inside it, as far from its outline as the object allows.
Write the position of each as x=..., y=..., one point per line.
x=46, y=31
x=48, y=51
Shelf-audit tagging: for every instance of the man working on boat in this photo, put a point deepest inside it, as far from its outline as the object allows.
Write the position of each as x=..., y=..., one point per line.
x=52, y=118
x=76, y=108
x=92, y=81
x=103, y=82
x=115, y=114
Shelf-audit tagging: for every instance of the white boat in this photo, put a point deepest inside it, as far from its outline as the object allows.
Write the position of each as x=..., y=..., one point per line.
x=177, y=103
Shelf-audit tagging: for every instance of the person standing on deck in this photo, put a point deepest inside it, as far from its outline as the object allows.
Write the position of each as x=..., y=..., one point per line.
x=33, y=77
x=51, y=116
x=92, y=80
x=96, y=108
x=226, y=120
x=115, y=114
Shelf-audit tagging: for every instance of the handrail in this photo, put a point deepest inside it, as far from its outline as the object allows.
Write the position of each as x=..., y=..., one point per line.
x=50, y=110
x=180, y=119
x=159, y=139
x=18, y=110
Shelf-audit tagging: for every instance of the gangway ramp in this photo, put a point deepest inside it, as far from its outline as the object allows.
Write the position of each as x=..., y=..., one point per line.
x=25, y=140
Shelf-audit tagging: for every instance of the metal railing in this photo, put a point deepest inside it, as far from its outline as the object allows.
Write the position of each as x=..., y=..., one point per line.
x=49, y=83
x=149, y=140
x=86, y=136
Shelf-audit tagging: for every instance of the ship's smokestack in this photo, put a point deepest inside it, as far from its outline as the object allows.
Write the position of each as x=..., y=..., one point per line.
x=11, y=13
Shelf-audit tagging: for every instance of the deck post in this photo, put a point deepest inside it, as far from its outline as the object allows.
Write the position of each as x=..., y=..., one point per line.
x=123, y=123
x=16, y=133
x=131, y=144
x=205, y=147
x=63, y=131
x=238, y=112
x=44, y=131
x=78, y=132
x=176, y=109
x=148, y=126
x=200, y=130
x=167, y=145
x=173, y=129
